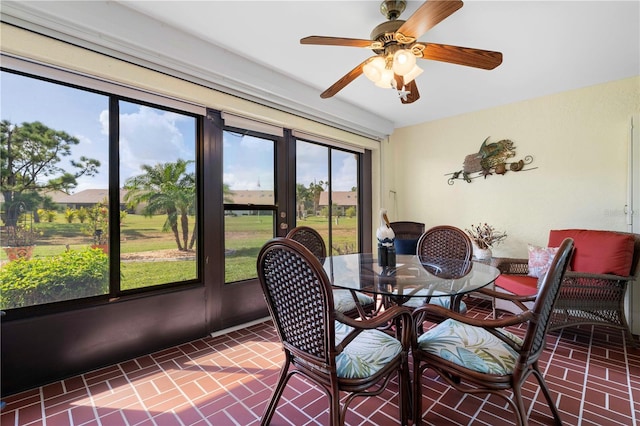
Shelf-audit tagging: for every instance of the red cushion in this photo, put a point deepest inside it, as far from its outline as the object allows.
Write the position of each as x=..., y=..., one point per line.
x=597, y=252
x=520, y=285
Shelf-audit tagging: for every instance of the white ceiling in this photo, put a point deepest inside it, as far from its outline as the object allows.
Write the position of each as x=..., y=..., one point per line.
x=548, y=47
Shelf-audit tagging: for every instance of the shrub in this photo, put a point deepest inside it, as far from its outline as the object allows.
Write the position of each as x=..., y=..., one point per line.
x=81, y=214
x=98, y=222
x=50, y=215
x=69, y=215
x=350, y=212
x=70, y=275
x=47, y=215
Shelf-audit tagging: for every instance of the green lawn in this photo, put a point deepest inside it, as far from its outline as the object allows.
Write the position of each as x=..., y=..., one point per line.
x=244, y=236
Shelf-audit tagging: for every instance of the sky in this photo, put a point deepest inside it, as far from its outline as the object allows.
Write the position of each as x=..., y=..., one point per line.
x=148, y=135
x=151, y=136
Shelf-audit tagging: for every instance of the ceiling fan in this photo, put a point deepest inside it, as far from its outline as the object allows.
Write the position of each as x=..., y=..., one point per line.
x=396, y=47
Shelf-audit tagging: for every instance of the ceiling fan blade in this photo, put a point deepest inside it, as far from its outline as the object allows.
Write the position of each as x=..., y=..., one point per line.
x=413, y=95
x=336, y=41
x=408, y=93
x=348, y=78
x=428, y=16
x=477, y=58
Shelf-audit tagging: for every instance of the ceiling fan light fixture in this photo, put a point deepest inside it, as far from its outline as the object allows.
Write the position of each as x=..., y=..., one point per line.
x=386, y=78
x=374, y=68
x=404, y=61
x=396, y=49
x=411, y=75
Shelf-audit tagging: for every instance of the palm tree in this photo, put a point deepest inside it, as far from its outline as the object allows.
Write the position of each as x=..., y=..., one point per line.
x=166, y=188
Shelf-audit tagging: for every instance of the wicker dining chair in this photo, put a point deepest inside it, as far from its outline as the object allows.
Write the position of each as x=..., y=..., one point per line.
x=336, y=352
x=476, y=355
x=442, y=242
x=343, y=299
x=311, y=239
x=445, y=241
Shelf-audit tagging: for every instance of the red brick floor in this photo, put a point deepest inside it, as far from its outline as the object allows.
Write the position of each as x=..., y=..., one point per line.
x=227, y=380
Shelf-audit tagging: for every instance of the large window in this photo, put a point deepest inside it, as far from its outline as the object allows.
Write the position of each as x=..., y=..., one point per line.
x=158, y=227
x=100, y=192
x=327, y=194
x=61, y=211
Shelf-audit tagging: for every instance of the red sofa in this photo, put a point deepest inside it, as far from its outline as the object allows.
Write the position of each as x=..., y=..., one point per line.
x=594, y=287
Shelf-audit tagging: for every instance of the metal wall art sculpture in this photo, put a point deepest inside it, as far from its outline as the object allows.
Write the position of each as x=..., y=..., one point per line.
x=492, y=158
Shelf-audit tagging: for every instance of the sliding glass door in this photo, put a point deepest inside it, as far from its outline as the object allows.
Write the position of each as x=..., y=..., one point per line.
x=327, y=182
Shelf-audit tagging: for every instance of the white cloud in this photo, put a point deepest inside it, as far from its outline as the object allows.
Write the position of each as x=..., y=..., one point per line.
x=151, y=136
x=248, y=162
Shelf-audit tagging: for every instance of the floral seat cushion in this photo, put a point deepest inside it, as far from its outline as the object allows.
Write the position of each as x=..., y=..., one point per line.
x=365, y=355
x=445, y=302
x=471, y=347
x=343, y=301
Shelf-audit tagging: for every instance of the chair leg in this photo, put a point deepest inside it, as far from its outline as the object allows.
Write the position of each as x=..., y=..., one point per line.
x=405, y=391
x=417, y=393
x=518, y=405
x=547, y=394
x=627, y=330
x=277, y=393
x=336, y=415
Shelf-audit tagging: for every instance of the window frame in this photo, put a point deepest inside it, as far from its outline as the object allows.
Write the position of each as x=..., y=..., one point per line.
x=283, y=209
x=278, y=146
x=115, y=292
x=362, y=171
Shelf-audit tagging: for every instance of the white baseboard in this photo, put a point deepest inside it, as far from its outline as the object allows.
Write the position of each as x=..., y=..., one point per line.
x=239, y=327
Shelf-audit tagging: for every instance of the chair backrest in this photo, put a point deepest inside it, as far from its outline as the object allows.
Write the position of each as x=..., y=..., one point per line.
x=407, y=229
x=311, y=239
x=299, y=298
x=407, y=234
x=534, y=339
x=445, y=241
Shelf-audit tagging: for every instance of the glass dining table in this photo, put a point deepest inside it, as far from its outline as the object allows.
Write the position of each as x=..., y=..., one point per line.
x=412, y=276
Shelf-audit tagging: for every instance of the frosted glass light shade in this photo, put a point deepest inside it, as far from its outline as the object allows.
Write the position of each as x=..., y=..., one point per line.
x=373, y=69
x=403, y=61
x=385, y=79
x=411, y=75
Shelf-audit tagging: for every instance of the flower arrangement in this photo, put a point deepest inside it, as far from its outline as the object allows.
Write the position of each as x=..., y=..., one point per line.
x=485, y=236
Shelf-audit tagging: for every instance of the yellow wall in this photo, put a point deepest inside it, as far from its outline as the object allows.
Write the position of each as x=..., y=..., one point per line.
x=579, y=143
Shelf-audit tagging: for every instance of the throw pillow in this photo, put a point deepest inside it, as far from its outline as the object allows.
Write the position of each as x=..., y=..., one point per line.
x=405, y=246
x=540, y=259
x=598, y=252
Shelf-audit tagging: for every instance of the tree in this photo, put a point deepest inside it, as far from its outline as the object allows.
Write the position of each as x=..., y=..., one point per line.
x=316, y=189
x=32, y=152
x=167, y=188
x=227, y=194
x=304, y=198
